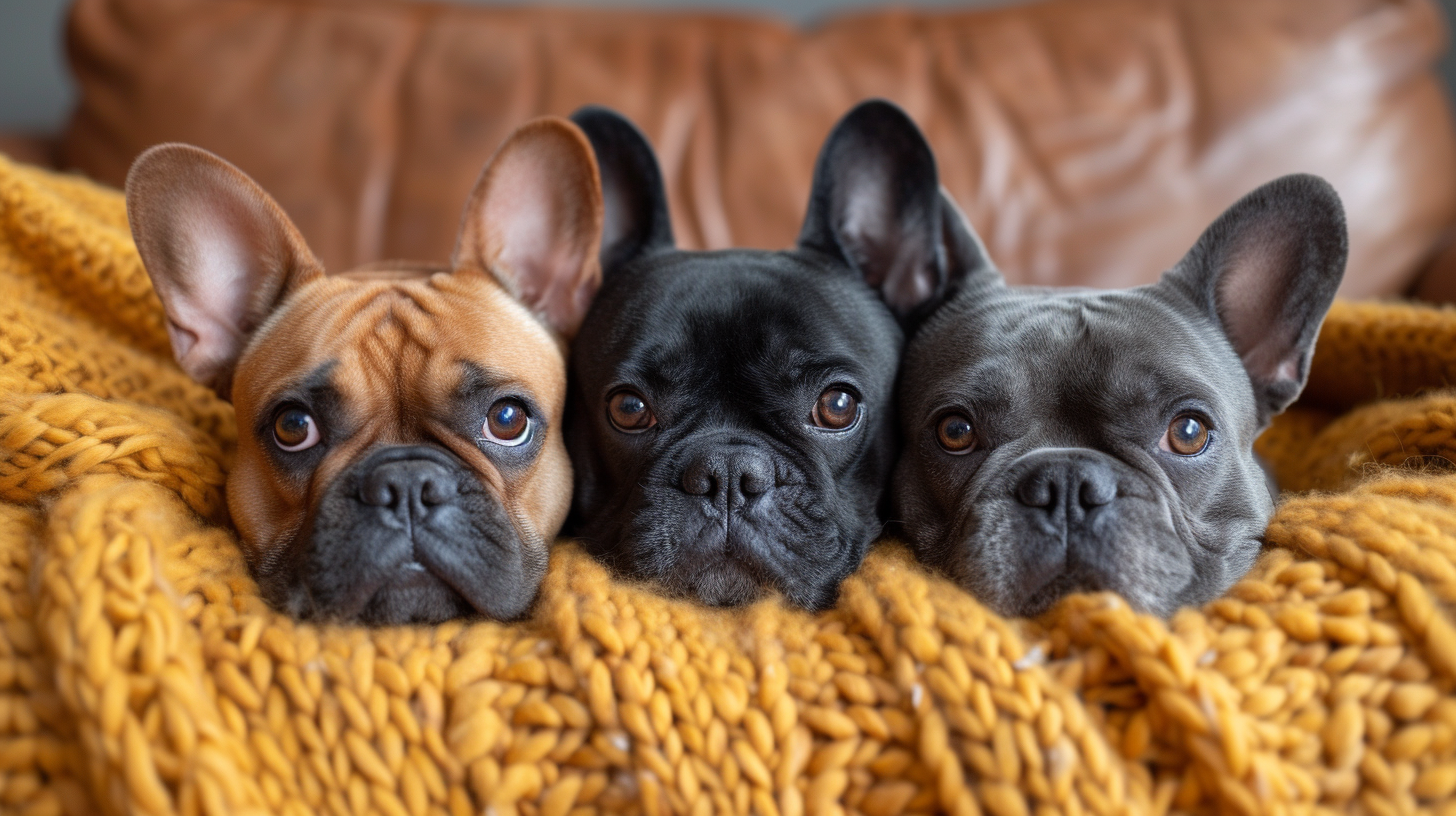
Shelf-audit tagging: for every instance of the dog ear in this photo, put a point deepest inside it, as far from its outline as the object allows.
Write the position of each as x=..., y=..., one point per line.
x=1266, y=272
x=533, y=221
x=637, y=221
x=875, y=204
x=221, y=254
x=968, y=264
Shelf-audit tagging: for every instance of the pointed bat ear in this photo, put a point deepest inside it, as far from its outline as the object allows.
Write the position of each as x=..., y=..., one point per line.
x=221, y=253
x=534, y=221
x=1266, y=272
x=968, y=265
x=637, y=221
x=875, y=204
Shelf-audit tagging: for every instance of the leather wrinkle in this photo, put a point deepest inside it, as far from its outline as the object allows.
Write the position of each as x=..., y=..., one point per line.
x=1089, y=141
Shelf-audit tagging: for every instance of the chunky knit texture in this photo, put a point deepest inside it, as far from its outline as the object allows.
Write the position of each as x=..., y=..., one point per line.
x=141, y=673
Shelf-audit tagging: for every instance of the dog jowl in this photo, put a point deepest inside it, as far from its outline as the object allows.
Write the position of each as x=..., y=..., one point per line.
x=400, y=456
x=1068, y=440
x=731, y=417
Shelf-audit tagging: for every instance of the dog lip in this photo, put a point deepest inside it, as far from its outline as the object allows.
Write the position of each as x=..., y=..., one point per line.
x=412, y=573
x=360, y=594
x=407, y=571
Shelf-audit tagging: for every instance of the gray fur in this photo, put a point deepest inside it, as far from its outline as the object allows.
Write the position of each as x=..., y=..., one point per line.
x=1070, y=391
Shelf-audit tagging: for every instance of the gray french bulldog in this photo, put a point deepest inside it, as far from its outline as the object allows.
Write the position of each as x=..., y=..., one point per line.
x=1064, y=440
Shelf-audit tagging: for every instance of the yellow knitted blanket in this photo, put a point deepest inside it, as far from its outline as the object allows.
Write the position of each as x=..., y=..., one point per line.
x=141, y=673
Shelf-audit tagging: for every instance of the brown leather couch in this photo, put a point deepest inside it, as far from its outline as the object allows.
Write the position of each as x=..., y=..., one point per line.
x=1090, y=141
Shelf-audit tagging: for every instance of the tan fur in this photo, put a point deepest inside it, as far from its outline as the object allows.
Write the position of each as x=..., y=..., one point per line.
x=253, y=314
x=397, y=339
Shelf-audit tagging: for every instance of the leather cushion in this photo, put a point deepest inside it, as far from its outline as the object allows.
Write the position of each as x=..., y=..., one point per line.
x=1090, y=141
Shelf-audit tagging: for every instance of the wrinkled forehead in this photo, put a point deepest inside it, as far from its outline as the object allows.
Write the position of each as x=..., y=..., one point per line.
x=1088, y=348
x=741, y=310
x=406, y=337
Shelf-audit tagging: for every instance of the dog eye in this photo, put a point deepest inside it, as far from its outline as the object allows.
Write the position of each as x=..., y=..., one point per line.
x=629, y=413
x=956, y=434
x=1187, y=435
x=836, y=409
x=294, y=430
x=507, y=423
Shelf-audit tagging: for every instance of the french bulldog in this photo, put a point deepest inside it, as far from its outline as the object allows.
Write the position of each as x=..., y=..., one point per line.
x=1064, y=440
x=731, y=414
x=400, y=456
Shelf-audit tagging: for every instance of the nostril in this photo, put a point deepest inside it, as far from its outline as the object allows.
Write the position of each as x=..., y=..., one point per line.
x=437, y=490
x=754, y=483
x=408, y=486
x=1037, y=490
x=378, y=492
x=698, y=481
x=1097, y=492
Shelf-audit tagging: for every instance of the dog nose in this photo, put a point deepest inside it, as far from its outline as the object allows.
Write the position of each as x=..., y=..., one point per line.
x=412, y=486
x=1074, y=486
x=734, y=475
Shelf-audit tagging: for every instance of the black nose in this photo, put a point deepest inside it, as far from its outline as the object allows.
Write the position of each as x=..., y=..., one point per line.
x=1072, y=487
x=408, y=487
x=732, y=475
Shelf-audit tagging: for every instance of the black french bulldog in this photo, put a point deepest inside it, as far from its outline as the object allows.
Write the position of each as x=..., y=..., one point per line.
x=1061, y=440
x=730, y=417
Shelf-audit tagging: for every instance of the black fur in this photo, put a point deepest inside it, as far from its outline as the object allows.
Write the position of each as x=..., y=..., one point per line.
x=735, y=490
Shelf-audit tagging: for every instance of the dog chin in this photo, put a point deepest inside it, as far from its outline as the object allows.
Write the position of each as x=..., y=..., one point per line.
x=693, y=555
x=1140, y=557
x=416, y=596
x=721, y=581
x=363, y=564
x=708, y=563
x=411, y=594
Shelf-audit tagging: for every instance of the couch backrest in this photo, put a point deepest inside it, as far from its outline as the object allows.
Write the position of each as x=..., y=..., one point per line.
x=1090, y=141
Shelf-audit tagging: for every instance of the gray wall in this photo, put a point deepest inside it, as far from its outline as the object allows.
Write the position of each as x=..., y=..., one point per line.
x=36, y=94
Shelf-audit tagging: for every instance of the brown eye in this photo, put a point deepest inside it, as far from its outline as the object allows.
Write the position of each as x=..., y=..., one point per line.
x=836, y=409
x=629, y=413
x=956, y=434
x=294, y=430
x=508, y=423
x=1187, y=435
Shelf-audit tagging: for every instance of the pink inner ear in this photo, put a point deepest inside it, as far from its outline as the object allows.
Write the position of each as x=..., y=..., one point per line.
x=182, y=339
x=235, y=259
x=533, y=226
x=535, y=221
x=1252, y=295
x=220, y=252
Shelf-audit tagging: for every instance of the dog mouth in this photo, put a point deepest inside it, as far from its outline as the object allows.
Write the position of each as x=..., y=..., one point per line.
x=427, y=584
x=404, y=592
x=408, y=535
x=414, y=594
x=727, y=516
x=409, y=578
x=1040, y=596
x=726, y=580
x=719, y=559
x=1021, y=558
x=730, y=561
x=1024, y=572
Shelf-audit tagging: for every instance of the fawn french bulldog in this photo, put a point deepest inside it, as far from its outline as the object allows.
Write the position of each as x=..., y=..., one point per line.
x=399, y=454
x=731, y=416
x=1061, y=440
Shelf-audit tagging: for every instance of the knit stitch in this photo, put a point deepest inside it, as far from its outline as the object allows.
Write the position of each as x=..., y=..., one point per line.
x=140, y=672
